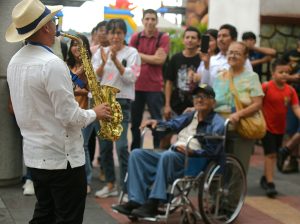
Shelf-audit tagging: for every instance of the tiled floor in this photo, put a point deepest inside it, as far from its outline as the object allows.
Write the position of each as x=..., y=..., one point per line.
x=258, y=209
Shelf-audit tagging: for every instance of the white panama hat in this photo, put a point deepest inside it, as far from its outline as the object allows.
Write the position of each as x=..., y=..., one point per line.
x=28, y=17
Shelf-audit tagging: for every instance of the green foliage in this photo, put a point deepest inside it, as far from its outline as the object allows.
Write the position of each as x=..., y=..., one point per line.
x=176, y=39
x=176, y=42
x=201, y=27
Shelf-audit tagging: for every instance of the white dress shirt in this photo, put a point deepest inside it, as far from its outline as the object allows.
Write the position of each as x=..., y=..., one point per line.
x=46, y=111
x=217, y=63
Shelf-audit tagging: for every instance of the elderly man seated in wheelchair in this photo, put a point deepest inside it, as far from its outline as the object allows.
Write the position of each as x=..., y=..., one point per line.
x=150, y=172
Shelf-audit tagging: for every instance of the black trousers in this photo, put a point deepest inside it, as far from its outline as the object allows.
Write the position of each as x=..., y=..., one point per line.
x=60, y=195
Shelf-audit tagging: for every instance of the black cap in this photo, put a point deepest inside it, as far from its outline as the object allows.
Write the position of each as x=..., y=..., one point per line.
x=206, y=89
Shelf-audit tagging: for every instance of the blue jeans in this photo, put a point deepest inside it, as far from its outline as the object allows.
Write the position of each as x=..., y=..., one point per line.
x=87, y=132
x=106, y=148
x=154, y=101
x=148, y=168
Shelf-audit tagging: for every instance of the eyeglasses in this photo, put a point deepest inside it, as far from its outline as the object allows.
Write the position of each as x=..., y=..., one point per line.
x=55, y=20
x=202, y=97
x=234, y=53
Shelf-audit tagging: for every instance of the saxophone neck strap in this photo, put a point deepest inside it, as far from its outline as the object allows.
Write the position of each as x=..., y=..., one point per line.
x=41, y=45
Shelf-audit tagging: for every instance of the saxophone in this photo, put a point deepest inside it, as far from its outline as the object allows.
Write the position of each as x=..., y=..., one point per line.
x=101, y=94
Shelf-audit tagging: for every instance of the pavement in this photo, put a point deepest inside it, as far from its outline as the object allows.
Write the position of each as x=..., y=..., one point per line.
x=258, y=209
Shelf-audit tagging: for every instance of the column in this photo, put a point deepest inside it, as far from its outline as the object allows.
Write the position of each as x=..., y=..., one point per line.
x=10, y=138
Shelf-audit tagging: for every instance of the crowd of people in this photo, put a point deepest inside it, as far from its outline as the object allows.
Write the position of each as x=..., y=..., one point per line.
x=53, y=106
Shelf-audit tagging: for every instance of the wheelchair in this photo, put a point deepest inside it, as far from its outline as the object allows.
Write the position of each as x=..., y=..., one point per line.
x=220, y=189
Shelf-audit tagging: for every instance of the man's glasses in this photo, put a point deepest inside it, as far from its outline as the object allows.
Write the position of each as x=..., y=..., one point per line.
x=202, y=96
x=234, y=53
x=55, y=20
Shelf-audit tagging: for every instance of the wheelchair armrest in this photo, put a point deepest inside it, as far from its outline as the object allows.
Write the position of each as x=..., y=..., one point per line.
x=204, y=136
x=163, y=130
x=157, y=128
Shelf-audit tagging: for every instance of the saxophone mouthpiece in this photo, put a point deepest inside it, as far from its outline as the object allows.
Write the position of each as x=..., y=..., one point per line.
x=58, y=33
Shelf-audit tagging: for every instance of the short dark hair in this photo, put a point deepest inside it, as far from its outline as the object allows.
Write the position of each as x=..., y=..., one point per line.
x=193, y=29
x=149, y=11
x=114, y=24
x=248, y=35
x=278, y=62
x=93, y=30
x=232, y=30
x=101, y=24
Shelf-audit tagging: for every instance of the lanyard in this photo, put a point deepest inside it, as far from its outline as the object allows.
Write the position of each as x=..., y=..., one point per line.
x=41, y=45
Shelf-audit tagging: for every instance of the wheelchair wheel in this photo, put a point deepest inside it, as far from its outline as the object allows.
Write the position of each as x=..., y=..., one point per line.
x=187, y=217
x=222, y=192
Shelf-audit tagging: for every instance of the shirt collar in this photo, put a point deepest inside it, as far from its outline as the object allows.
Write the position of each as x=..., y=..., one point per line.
x=220, y=55
x=208, y=118
x=154, y=35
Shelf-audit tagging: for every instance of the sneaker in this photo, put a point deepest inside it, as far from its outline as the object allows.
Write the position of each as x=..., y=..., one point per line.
x=28, y=188
x=126, y=208
x=263, y=183
x=271, y=191
x=282, y=154
x=148, y=210
x=105, y=192
x=290, y=166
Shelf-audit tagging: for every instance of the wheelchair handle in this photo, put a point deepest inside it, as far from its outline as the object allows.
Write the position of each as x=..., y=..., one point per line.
x=159, y=128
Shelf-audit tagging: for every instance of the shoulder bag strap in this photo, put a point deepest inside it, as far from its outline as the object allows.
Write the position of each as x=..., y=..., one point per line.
x=232, y=88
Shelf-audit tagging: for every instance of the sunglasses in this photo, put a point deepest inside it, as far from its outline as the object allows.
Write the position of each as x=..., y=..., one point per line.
x=55, y=20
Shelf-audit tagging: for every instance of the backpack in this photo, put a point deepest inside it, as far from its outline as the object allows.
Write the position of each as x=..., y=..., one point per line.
x=165, y=64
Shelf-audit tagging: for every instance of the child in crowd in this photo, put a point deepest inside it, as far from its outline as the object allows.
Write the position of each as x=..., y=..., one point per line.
x=278, y=96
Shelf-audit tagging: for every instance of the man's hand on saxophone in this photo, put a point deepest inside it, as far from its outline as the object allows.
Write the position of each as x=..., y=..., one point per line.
x=103, y=112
